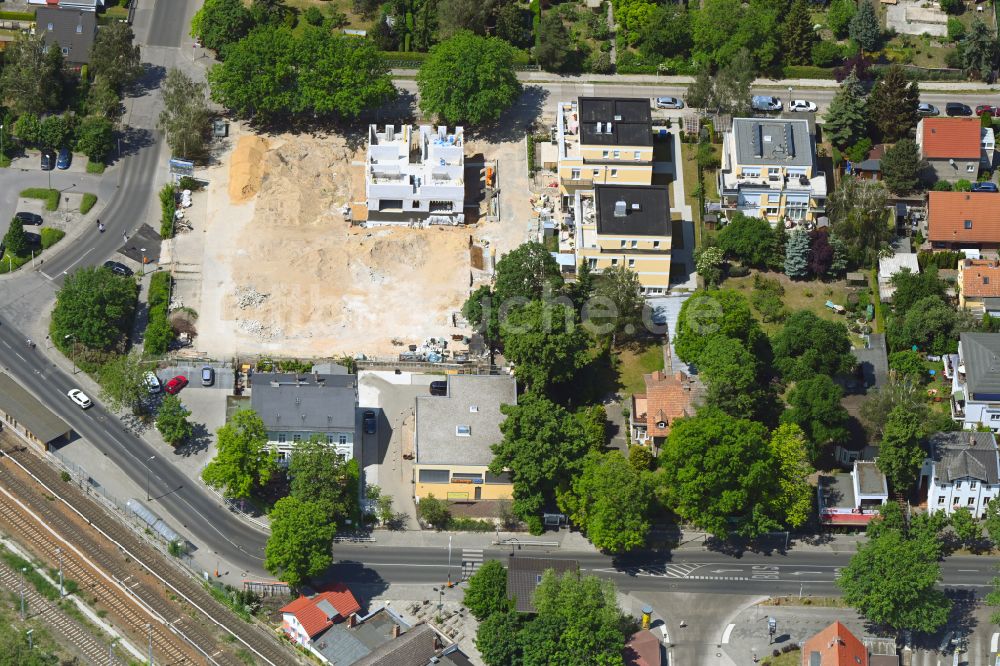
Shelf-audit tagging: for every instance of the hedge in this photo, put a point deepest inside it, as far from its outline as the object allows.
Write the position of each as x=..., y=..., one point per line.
x=159, y=333
x=536, y=21
x=51, y=236
x=942, y=259
x=87, y=202
x=168, y=202
x=51, y=197
x=17, y=16
x=807, y=72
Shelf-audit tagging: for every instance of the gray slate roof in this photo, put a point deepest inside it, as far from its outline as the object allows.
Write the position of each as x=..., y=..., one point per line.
x=73, y=29
x=29, y=412
x=874, y=361
x=651, y=218
x=773, y=141
x=524, y=574
x=344, y=646
x=414, y=648
x=981, y=354
x=438, y=418
x=629, y=119
x=966, y=454
x=308, y=402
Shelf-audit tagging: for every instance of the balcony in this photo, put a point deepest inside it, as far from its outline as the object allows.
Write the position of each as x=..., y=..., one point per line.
x=816, y=185
x=957, y=409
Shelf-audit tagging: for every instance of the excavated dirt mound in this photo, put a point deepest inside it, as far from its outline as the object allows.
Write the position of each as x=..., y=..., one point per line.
x=246, y=168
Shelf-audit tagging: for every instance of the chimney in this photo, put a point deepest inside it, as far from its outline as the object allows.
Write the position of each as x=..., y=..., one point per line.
x=679, y=376
x=352, y=620
x=395, y=631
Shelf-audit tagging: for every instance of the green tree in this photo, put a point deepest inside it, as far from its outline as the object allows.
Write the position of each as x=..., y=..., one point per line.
x=434, y=511
x=719, y=474
x=952, y=6
x=268, y=12
x=511, y=25
x=15, y=240
x=701, y=91
x=318, y=474
x=892, y=580
x=797, y=255
x=807, y=345
x=545, y=343
x=620, y=290
x=103, y=99
x=185, y=117
x=486, y=594
x=555, y=51
x=94, y=309
x=930, y=325
x=31, y=80
x=893, y=104
x=908, y=363
x=96, y=138
x=901, y=166
x=864, y=27
x=846, y=120
x=708, y=264
x=299, y=546
x=55, y=130
x=992, y=520
x=257, y=79
x=839, y=15
x=28, y=128
x=912, y=287
x=901, y=453
x=468, y=78
x=641, y=458
x=123, y=382
x=220, y=23
x=115, y=57
x=667, y=33
x=816, y=409
x=482, y=311
x=797, y=34
x=526, y=273
x=172, y=421
x=979, y=51
x=967, y=528
x=609, y=501
x=455, y=16
x=747, y=239
x=733, y=378
x=543, y=446
x=243, y=462
x=498, y=639
x=714, y=312
x=880, y=403
x=733, y=82
x=858, y=211
x=791, y=453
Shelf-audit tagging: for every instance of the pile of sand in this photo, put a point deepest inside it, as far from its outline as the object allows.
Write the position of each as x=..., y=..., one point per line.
x=246, y=168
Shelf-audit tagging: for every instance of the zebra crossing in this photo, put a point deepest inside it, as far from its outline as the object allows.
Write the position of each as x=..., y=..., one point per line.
x=472, y=559
x=665, y=571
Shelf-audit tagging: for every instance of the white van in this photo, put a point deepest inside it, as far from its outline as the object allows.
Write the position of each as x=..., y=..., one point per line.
x=152, y=383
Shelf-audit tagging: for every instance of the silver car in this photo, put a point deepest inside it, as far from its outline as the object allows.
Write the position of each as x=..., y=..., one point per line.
x=669, y=103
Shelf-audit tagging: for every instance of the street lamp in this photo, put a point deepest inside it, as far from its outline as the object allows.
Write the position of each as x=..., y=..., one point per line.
x=72, y=349
x=449, y=560
x=31, y=643
x=151, y=459
x=789, y=98
x=59, y=555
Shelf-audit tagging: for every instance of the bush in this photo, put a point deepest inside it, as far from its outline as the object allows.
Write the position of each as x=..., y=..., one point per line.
x=17, y=16
x=95, y=167
x=51, y=197
x=807, y=72
x=963, y=185
x=159, y=333
x=168, y=203
x=189, y=183
x=313, y=16
x=946, y=260
x=956, y=30
x=859, y=151
x=942, y=186
x=51, y=236
x=87, y=202
x=826, y=54
x=434, y=512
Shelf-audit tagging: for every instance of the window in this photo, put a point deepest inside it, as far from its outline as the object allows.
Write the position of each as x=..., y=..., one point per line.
x=79, y=28
x=281, y=438
x=329, y=438
x=597, y=173
x=614, y=173
x=50, y=27
x=986, y=279
x=474, y=409
x=971, y=168
x=631, y=263
x=591, y=263
x=614, y=262
x=282, y=456
x=751, y=173
x=622, y=243
x=973, y=485
x=968, y=224
x=635, y=243
x=618, y=154
x=65, y=51
x=773, y=198
x=773, y=171
x=656, y=244
x=463, y=431
x=972, y=501
x=995, y=417
x=940, y=500
x=637, y=155
x=434, y=476
x=604, y=154
x=575, y=174
x=296, y=437
x=439, y=206
x=342, y=439
x=772, y=210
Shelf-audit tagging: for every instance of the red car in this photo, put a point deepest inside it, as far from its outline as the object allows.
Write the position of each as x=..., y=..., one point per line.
x=174, y=386
x=987, y=108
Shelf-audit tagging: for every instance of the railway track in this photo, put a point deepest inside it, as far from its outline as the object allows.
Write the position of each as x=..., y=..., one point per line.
x=266, y=645
x=56, y=619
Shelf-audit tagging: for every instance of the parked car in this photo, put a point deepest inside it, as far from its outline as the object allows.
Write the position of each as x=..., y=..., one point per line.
x=64, y=159
x=926, y=109
x=175, y=385
x=801, y=105
x=48, y=159
x=765, y=103
x=669, y=103
x=370, y=424
x=957, y=109
x=207, y=375
x=987, y=108
x=153, y=382
x=80, y=398
x=28, y=218
x=985, y=186
x=439, y=388
x=118, y=268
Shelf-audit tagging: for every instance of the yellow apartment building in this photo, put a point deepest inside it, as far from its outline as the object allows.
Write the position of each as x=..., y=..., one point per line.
x=769, y=171
x=603, y=141
x=626, y=226
x=453, y=434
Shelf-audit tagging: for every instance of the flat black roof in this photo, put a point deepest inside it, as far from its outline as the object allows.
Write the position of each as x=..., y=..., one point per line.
x=624, y=122
x=646, y=210
x=29, y=412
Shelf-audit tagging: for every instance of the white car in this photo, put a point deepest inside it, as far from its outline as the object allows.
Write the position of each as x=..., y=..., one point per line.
x=669, y=103
x=801, y=105
x=152, y=382
x=80, y=398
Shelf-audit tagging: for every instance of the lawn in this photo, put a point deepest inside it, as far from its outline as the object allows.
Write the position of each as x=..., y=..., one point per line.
x=637, y=360
x=354, y=21
x=792, y=658
x=690, y=167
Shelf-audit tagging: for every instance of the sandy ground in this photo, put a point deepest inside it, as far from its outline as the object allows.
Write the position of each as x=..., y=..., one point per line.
x=283, y=272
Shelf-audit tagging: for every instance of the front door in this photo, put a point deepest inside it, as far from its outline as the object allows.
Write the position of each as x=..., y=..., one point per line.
x=479, y=493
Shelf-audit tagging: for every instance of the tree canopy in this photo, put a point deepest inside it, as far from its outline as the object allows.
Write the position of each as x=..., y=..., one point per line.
x=94, y=309
x=734, y=380
x=893, y=103
x=750, y=240
x=816, y=409
x=318, y=474
x=791, y=452
x=221, y=22
x=797, y=34
x=123, y=382
x=486, y=594
x=468, y=78
x=901, y=165
x=185, y=116
x=979, y=50
x=172, y=420
x=808, y=345
x=243, y=463
x=299, y=546
x=846, y=121
x=714, y=312
x=114, y=56
x=901, y=453
x=546, y=344
x=526, y=273
x=31, y=79
x=858, y=211
x=620, y=292
x=864, y=27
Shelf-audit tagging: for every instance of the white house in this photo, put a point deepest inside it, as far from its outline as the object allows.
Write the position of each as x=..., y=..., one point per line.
x=975, y=380
x=962, y=472
x=415, y=178
x=890, y=266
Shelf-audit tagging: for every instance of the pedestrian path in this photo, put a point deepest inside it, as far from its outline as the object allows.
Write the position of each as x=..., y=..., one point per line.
x=472, y=559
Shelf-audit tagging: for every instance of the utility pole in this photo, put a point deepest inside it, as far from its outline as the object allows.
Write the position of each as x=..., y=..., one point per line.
x=59, y=555
x=150, y=627
x=449, y=560
x=72, y=350
x=23, y=571
x=151, y=459
x=31, y=643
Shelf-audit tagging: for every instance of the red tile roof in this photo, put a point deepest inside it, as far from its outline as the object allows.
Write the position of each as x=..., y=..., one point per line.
x=963, y=217
x=980, y=278
x=958, y=138
x=314, y=618
x=668, y=398
x=837, y=646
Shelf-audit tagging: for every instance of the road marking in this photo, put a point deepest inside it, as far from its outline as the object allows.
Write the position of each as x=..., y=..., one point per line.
x=727, y=570
x=727, y=632
x=43, y=273
x=802, y=573
x=21, y=357
x=78, y=260
x=968, y=570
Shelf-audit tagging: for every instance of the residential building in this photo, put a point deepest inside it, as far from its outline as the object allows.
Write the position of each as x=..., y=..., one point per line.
x=834, y=646
x=769, y=171
x=603, y=141
x=963, y=220
x=642, y=649
x=453, y=434
x=962, y=472
x=89, y=5
x=624, y=225
x=954, y=148
x=295, y=407
x=871, y=167
x=979, y=286
x=873, y=361
x=852, y=499
x=415, y=177
x=307, y=617
x=26, y=415
x=975, y=380
x=890, y=266
x=525, y=573
x=668, y=397
x=74, y=30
